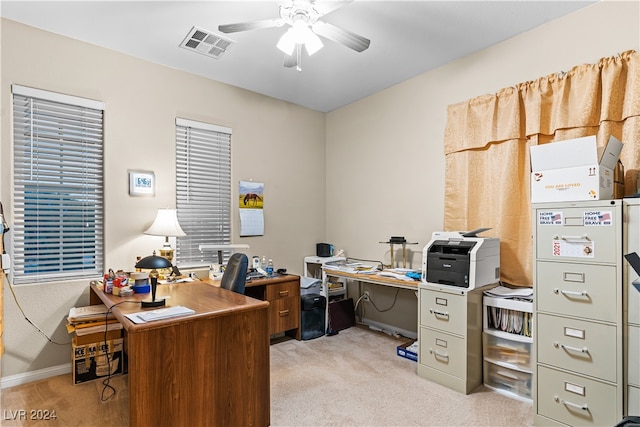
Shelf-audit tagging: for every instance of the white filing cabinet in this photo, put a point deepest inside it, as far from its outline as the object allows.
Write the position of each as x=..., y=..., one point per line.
x=632, y=312
x=507, y=346
x=450, y=336
x=578, y=313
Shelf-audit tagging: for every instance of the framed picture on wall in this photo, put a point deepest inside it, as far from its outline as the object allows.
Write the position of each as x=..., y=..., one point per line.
x=142, y=183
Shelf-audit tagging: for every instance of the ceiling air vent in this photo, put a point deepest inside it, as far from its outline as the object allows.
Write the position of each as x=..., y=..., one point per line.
x=206, y=43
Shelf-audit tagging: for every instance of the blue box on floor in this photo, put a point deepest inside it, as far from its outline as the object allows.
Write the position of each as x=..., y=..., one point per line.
x=402, y=351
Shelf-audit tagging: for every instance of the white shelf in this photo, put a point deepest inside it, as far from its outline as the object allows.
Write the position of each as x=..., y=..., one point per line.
x=511, y=304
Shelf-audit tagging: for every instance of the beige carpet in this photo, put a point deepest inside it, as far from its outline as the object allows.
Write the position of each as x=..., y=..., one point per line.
x=353, y=378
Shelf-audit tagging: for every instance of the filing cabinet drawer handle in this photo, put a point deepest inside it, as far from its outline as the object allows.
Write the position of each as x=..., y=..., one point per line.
x=283, y=313
x=569, y=348
x=571, y=404
x=571, y=293
x=283, y=293
x=437, y=354
x=575, y=239
x=439, y=313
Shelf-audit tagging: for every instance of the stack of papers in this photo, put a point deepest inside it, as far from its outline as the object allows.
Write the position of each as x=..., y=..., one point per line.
x=397, y=276
x=159, y=314
x=352, y=267
x=522, y=294
x=91, y=319
x=89, y=313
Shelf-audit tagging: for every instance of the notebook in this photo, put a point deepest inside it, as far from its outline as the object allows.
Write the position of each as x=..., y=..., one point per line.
x=159, y=314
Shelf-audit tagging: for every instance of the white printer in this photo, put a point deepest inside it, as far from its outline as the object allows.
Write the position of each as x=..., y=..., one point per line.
x=461, y=259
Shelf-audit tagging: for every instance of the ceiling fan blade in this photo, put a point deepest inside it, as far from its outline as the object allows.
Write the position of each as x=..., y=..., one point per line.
x=253, y=25
x=295, y=59
x=290, y=60
x=325, y=7
x=340, y=35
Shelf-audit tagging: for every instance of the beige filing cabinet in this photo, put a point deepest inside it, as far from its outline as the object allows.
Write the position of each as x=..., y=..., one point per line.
x=578, y=313
x=632, y=312
x=450, y=336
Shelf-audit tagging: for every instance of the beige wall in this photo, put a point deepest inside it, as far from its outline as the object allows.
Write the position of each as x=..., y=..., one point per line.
x=272, y=142
x=386, y=163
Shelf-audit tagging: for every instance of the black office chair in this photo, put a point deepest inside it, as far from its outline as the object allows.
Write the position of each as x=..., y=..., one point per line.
x=235, y=273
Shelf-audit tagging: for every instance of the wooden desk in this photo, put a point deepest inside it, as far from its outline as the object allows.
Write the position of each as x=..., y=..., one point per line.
x=207, y=369
x=283, y=294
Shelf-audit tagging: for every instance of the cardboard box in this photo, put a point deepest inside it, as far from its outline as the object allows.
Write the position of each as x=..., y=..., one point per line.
x=93, y=361
x=404, y=351
x=96, y=337
x=573, y=170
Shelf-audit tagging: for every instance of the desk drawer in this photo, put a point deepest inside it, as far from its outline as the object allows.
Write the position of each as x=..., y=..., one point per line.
x=577, y=345
x=575, y=400
x=284, y=314
x=283, y=290
x=444, y=311
x=582, y=290
x=442, y=351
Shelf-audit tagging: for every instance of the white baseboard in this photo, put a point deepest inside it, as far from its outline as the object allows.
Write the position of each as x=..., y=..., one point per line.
x=40, y=374
x=389, y=329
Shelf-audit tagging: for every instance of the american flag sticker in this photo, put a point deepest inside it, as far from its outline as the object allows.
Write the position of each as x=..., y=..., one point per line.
x=549, y=218
x=598, y=218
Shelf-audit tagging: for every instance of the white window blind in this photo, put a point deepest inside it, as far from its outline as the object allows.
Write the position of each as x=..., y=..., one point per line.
x=203, y=171
x=58, y=187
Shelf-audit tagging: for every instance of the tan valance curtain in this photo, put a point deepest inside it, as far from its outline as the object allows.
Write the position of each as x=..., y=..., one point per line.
x=487, y=142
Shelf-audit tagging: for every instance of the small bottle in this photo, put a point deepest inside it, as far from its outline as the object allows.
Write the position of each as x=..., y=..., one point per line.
x=138, y=258
x=264, y=263
x=270, y=268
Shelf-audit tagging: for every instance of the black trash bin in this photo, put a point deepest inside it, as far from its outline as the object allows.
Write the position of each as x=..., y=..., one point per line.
x=312, y=315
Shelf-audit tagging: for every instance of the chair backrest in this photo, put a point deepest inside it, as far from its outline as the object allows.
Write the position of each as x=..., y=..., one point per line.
x=235, y=273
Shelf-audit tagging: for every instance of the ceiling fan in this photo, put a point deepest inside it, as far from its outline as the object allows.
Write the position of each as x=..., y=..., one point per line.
x=302, y=17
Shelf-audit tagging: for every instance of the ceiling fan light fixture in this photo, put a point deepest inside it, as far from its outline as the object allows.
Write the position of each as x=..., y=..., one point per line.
x=312, y=43
x=287, y=42
x=299, y=33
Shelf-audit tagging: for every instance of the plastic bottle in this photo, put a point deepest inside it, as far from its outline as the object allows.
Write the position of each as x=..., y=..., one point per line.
x=264, y=263
x=270, y=268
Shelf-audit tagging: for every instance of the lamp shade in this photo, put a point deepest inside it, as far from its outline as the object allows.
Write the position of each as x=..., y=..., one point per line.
x=165, y=224
x=153, y=262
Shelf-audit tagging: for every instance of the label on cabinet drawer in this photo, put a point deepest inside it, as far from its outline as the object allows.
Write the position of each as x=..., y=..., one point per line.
x=574, y=388
x=572, y=332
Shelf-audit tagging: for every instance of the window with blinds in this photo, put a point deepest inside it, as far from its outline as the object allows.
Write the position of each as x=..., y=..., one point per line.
x=203, y=189
x=58, y=217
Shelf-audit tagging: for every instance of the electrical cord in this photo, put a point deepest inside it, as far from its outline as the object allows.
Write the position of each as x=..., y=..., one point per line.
x=15, y=298
x=395, y=298
x=106, y=381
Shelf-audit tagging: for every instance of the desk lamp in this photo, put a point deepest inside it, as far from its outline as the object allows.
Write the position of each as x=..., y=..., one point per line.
x=166, y=224
x=153, y=262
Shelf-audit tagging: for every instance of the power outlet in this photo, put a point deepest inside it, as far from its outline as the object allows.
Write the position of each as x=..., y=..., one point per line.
x=366, y=296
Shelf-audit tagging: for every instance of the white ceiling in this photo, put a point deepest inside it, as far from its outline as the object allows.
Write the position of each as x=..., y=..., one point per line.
x=407, y=39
